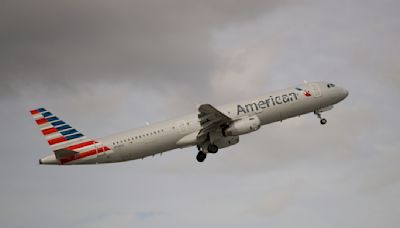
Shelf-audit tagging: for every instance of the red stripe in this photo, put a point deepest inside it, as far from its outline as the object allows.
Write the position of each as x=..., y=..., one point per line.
x=41, y=121
x=49, y=131
x=80, y=145
x=87, y=153
x=57, y=140
x=103, y=149
x=84, y=154
x=33, y=112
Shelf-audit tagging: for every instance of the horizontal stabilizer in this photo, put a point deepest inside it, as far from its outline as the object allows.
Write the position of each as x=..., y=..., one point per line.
x=64, y=153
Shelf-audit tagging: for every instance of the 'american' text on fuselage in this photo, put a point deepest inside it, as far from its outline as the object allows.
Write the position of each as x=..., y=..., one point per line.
x=263, y=104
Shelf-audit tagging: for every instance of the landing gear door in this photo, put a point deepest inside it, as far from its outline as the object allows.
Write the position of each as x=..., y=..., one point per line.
x=315, y=90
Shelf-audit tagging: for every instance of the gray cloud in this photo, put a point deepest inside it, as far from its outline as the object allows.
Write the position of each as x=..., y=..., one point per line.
x=59, y=43
x=108, y=66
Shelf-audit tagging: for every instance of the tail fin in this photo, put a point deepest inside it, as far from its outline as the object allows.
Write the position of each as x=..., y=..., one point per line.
x=58, y=134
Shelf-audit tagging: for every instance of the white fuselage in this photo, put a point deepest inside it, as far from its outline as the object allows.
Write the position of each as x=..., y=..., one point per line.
x=182, y=132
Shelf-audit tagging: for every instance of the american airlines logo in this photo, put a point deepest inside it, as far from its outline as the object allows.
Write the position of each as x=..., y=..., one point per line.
x=307, y=93
x=263, y=104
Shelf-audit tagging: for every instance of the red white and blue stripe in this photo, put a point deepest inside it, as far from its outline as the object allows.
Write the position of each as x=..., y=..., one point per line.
x=61, y=135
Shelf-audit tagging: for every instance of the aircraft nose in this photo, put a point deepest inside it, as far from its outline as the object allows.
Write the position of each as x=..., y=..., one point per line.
x=344, y=93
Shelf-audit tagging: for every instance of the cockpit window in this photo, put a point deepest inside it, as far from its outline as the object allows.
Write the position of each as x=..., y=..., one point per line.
x=330, y=85
x=299, y=89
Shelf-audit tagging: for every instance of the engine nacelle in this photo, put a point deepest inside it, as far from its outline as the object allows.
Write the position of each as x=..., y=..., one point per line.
x=243, y=126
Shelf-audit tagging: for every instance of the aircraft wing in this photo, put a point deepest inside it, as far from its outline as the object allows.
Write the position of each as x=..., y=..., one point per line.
x=211, y=119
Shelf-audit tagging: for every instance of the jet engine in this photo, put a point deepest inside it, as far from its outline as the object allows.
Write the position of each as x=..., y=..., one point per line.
x=243, y=126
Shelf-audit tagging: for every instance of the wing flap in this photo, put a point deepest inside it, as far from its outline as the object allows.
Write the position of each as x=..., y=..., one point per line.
x=211, y=119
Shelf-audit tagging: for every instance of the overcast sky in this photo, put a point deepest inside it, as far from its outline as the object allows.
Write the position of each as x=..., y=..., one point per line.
x=107, y=66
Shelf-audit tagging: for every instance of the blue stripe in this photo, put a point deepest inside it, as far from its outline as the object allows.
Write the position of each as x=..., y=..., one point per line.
x=68, y=132
x=46, y=114
x=41, y=110
x=58, y=123
x=52, y=118
x=69, y=137
x=63, y=127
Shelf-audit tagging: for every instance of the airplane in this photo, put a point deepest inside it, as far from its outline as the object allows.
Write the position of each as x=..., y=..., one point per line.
x=210, y=129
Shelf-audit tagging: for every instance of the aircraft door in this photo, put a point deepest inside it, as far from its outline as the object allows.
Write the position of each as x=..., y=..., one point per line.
x=315, y=90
